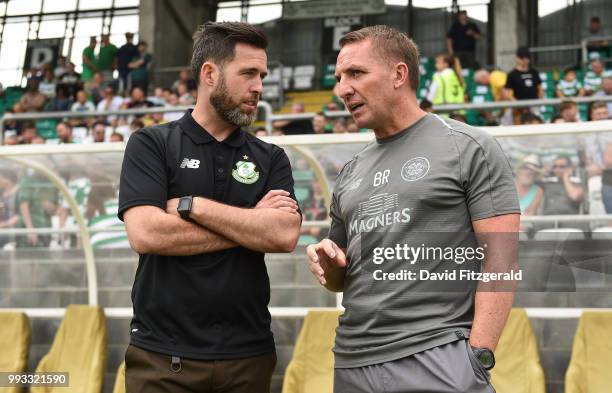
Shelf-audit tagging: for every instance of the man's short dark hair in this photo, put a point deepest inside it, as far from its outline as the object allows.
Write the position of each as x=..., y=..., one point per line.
x=216, y=42
x=28, y=125
x=596, y=105
x=97, y=124
x=391, y=45
x=66, y=124
x=595, y=19
x=566, y=105
x=565, y=158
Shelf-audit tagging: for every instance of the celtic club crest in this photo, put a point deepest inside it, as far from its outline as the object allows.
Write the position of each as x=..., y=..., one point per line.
x=415, y=169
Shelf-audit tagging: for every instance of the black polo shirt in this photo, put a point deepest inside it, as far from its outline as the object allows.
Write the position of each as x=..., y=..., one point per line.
x=207, y=306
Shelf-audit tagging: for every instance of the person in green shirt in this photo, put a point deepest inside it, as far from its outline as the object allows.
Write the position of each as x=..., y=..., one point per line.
x=140, y=67
x=107, y=58
x=36, y=202
x=89, y=60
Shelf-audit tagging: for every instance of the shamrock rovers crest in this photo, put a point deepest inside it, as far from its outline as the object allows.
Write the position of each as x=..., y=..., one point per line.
x=245, y=172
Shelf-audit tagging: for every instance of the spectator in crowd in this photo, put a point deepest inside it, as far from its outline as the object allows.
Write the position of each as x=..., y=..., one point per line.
x=351, y=126
x=36, y=202
x=98, y=132
x=89, y=60
x=140, y=67
x=556, y=119
x=426, y=105
x=38, y=140
x=294, y=127
x=136, y=125
x=61, y=68
x=107, y=58
x=71, y=79
x=528, y=118
x=331, y=106
x=125, y=54
x=8, y=209
x=461, y=40
x=569, y=112
x=116, y=137
x=185, y=96
x=598, y=148
x=11, y=138
x=458, y=116
x=563, y=193
x=185, y=77
x=62, y=101
x=82, y=104
x=33, y=100
x=110, y=101
x=94, y=87
x=594, y=34
x=28, y=133
x=447, y=85
x=14, y=125
x=47, y=85
x=173, y=101
x=569, y=86
x=64, y=132
x=260, y=131
x=158, y=98
x=481, y=92
x=137, y=99
x=523, y=82
x=340, y=126
x=319, y=123
x=606, y=90
x=593, y=80
x=530, y=194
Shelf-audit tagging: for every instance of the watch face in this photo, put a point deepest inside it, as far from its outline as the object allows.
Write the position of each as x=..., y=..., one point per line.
x=183, y=204
x=487, y=359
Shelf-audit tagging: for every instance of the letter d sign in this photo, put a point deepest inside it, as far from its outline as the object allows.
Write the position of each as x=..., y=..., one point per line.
x=41, y=56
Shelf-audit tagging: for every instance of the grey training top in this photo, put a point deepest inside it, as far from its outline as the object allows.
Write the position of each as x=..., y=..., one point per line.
x=436, y=176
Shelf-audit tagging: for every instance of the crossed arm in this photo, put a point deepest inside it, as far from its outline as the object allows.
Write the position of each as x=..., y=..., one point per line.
x=272, y=226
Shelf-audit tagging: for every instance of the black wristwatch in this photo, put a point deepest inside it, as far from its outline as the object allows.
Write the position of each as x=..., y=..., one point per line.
x=485, y=356
x=184, y=207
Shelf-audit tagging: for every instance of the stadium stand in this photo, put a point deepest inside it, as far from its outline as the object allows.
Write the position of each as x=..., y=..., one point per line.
x=14, y=345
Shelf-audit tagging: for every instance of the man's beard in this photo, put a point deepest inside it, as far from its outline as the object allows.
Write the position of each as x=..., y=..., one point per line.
x=227, y=108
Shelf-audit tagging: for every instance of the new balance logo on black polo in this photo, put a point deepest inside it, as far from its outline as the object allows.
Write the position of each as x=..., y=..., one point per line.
x=190, y=163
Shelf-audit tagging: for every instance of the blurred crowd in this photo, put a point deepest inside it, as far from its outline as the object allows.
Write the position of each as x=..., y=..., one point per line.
x=112, y=79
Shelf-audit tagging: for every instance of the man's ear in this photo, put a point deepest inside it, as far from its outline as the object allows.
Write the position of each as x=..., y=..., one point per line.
x=401, y=75
x=208, y=74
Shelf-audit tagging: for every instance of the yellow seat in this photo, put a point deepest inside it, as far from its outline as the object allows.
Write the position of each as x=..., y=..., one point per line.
x=518, y=368
x=590, y=368
x=312, y=367
x=79, y=348
x=14, y=344
x=120, y=379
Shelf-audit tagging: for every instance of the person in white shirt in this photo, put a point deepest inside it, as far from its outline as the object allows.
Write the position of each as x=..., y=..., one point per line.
x=82, y=104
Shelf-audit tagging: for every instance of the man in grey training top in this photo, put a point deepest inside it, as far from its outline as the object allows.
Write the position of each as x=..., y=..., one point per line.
x=421, y=178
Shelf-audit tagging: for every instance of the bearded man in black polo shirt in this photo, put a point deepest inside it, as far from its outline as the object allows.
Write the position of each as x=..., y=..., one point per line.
x=202, y=202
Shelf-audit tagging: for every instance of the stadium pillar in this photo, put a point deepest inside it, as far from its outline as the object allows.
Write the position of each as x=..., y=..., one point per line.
x=167, y=27
x=511, y=26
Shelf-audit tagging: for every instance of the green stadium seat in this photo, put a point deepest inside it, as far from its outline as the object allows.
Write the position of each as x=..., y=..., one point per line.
x=46, y=128
x=305, y=240
x=302, y=193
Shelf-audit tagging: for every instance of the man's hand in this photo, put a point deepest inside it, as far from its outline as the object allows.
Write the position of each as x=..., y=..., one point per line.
x=172, y=205
x=323, y=258
x=278, y=199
